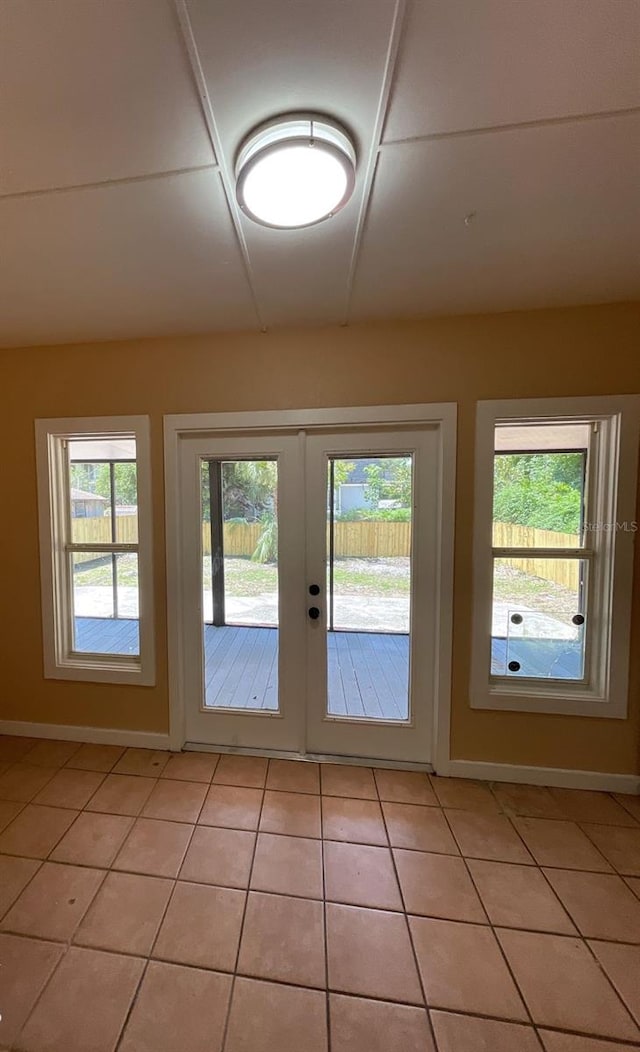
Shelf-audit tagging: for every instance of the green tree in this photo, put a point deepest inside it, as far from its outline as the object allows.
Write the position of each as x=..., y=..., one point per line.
x=389, y=479
x=96, y=479
x=543, y=490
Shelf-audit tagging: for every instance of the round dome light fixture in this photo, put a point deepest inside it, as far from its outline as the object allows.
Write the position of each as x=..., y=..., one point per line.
x=295, y=171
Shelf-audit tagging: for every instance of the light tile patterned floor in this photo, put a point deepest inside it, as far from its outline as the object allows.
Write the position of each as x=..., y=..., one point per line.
x=189, y=903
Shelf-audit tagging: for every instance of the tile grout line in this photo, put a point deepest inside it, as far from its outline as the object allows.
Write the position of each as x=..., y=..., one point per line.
x=493, y=932
x=580, y=937
x=406, y=917
x=147, y=962
x=234, y=974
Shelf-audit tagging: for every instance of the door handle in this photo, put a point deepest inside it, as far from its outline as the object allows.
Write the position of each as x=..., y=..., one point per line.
x=314, y=613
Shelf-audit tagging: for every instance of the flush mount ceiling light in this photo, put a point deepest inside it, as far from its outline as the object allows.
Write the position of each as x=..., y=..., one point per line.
x=295, y=171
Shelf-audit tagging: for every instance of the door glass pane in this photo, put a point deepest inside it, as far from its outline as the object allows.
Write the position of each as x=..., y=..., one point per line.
x=369, y=519
x=239, y=503
x=105, y=602
x=539, y=618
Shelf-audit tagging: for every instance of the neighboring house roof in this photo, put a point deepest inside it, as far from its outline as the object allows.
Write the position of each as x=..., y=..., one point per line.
x=82, y=494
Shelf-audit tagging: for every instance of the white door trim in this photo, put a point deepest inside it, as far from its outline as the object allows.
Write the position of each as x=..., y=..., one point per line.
x=442, y=415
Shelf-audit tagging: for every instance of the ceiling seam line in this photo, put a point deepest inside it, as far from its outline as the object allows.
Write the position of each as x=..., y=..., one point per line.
x=388, y=77
x=189, y=40
x=100, y=184
x=491, y=129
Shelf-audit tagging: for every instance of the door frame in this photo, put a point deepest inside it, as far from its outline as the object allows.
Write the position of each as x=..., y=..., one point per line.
x=441, y=415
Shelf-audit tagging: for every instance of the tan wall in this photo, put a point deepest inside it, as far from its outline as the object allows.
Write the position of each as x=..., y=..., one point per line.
x=582, y=351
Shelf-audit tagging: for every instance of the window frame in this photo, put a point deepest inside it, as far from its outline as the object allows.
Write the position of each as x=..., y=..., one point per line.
x=60, y=660
x=612, y=473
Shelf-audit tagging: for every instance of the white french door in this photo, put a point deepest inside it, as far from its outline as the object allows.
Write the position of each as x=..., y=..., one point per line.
x=310, y=591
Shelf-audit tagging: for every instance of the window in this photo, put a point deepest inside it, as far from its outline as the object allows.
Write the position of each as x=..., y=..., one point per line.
x=553, y=554
x=95, y=549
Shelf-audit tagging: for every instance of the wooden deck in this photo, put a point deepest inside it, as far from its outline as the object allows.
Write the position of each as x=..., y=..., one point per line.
x=368, y=673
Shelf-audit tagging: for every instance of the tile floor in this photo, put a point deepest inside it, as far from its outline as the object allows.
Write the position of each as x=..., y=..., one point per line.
x=196, y=903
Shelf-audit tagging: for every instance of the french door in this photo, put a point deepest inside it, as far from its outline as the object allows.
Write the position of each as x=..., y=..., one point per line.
x=310, y=599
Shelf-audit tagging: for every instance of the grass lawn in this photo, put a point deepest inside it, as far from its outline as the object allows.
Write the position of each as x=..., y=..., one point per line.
x=372, y=577
x=101, y=574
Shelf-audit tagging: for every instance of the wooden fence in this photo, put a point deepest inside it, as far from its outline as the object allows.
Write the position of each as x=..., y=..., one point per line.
x=353, y=539
x=97, y=530
x=358, y=539
x=565, y=572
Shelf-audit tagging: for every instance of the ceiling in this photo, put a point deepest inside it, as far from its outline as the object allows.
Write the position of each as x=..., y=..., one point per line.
x=498, y=161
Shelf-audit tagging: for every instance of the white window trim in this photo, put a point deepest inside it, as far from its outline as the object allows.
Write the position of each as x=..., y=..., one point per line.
x=618, y=454
x=59, y=662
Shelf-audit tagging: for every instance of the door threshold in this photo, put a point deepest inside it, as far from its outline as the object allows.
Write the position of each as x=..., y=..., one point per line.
x=280, y=754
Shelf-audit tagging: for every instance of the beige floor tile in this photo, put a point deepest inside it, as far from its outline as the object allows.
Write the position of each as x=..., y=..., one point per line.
x=26, y=967
x=463, y=970
x=344, y=780
x=154, y=847
x=288, y=865
x=564, y=987
x=294, y=776
x=93, y=840
x=178, y=1010
x=122, y=794
x=54, y=903
x=602, y=905
x=360, y=875
x=464, y=793
x=125, y=914
x=35, y=831
x=359, y=821
x=69, y=788
x=360, y=1025
x=295, y=814
x=15, y=874
x=622, y=965
x=487, y=836
x=219, y=856
x=561, y=845
x=438, y=886
x=232, y=806
x=175, y=801
x=405, y=787
x=96, y=757
x=581, y=805
x=13, y=749
x=8, y=811
x=369, y=953
x=22, y=781
x=467, y=1033
x=250, y=771
x=266, y=1017
x=283, y=940
x=556, y=1042
x=530, y=801
x=202, y=927
x=191, y=766
x=51, y=753
x=621, y=847
x=519, y=897
x=85, y=1004
x=419, y=828
x=147, y=762
x=630, y=803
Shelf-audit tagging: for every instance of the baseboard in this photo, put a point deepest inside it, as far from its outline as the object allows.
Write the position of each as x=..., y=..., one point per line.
x=558, y=777
x=94, y=735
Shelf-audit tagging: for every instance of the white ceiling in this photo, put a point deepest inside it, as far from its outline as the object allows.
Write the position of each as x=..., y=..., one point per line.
x=120, y=120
